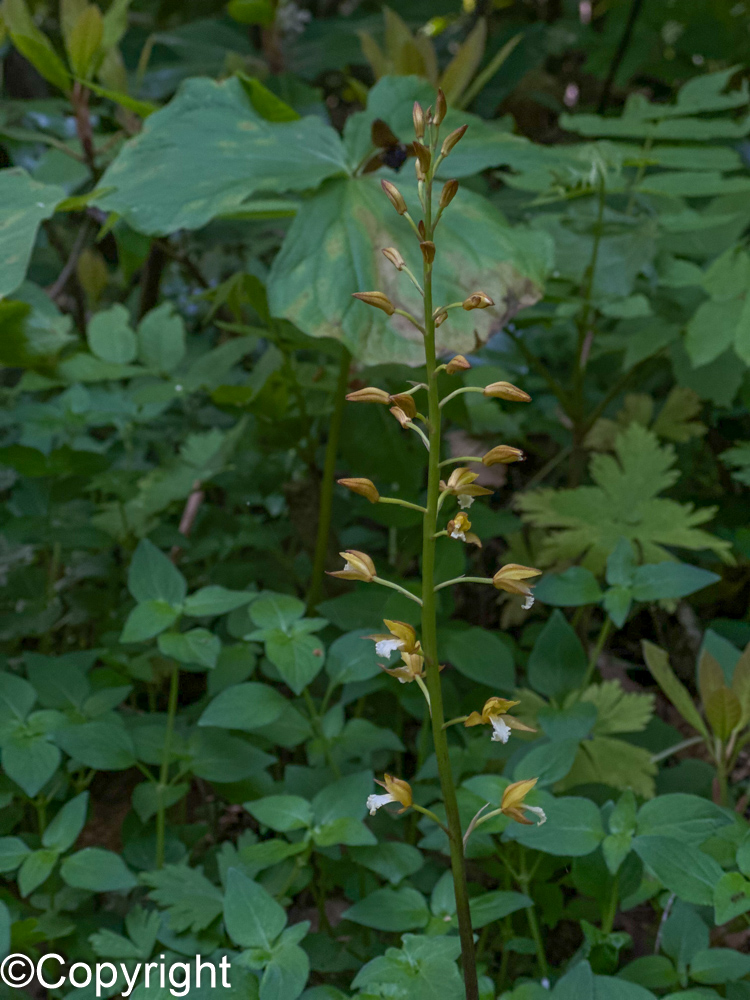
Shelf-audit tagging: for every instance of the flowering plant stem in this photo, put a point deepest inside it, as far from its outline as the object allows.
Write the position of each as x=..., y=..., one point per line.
x=429, y=629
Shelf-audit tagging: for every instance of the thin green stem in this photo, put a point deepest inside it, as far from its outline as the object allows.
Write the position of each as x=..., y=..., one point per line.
x=457, y=392
x=315, y=591
x=166, y=754
x=412, y=426
x=403, y=503
x=395, y=586
x=412, y=319
x=463, y=579
x=433, y=817
x=596, y=652
x=429, y=630
x=461, y=458
x=317, y=724
x=683, y=745
x=524, y=880
x=608, y=917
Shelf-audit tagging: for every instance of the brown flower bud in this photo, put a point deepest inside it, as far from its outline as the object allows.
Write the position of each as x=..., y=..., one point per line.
x=370, y=394
x=479, y=300
x=418, y=116
x=392, y=254
x=421, y=228
x=428, y=251
x=457, y=364
x=450, y=140
x=406, y=403
x=506, y=390
x=450, y=189
x=441, y=317
x=421, y=176
x=376, y=299
x=503, y=454
x=399, y=414
x=394, y=196
x=423, y=155
x=364, y=487
x=441, y=108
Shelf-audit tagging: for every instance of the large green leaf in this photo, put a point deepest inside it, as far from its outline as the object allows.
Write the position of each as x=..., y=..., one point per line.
x=207, y=152
x=333, y=249
x=680, y=867
x=486, y=144
x=24, y=203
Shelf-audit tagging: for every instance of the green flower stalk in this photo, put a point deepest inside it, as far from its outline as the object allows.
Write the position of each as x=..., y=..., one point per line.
x=420, y=658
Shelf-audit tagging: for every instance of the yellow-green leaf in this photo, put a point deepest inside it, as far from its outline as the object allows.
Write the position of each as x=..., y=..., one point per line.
x=115, y=23
x=724, y=712
x=710, y=676
x=657, y=661
x=85, y=40
x=70, y=13
x=741, y=683
x=34, y=44
x=460, y=70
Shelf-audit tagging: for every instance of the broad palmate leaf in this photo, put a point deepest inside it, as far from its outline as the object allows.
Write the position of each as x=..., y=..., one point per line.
x=625, y=503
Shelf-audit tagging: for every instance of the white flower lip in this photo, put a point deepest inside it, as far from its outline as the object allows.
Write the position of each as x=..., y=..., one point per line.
x=538, y=811
x=375, y=802
x=528, y=603
x=501, y=732
x=465, y=501
x=387, y=646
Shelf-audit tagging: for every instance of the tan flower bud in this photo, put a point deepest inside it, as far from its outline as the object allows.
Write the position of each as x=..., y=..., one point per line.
x=441, y=317
x=441, y=108
x=503, y=454
x=421, y=176
x=423, y=155
x=479, y=300
x=450, y=140
x=359, y=566
x=392, y=254
x=394, y=196
x=364, y=487
x=418, y=117
x=406, y=403
x=370, y=394
x=506, y=390
x=450, y=189
x=376, y=299
x=428, y=251
x=457, y=364
x=421, y=228
x=399, y=414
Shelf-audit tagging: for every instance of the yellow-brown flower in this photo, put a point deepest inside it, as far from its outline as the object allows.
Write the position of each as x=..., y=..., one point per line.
x=506, y=390
x=364, y=487
x=479, y=300
x=400, y=636
x=503, y=454
x=512, y=579
x=396, y=790
x=513, y=803
x=376, y=299
x=370, y=394
x=359, y=566
x=495, y=714
x=461, y=484
x=457, y=364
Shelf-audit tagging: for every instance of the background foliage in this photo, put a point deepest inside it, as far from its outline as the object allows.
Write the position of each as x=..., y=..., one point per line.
x=189, y=729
